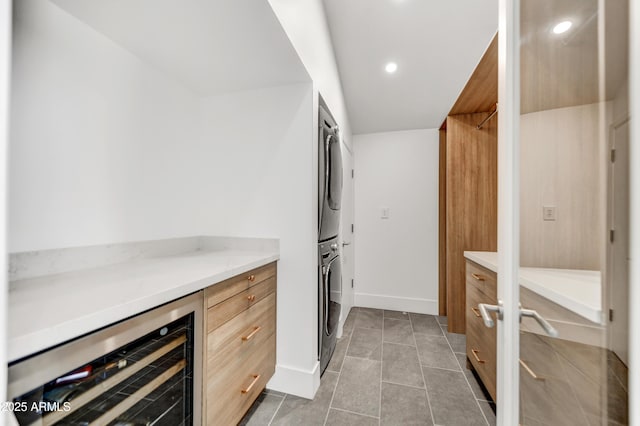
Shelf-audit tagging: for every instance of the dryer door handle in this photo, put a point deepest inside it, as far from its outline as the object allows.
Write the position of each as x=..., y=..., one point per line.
x=327, y=285
x=327, y=153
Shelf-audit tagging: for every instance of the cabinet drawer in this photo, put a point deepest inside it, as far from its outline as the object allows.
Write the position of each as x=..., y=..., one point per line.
x=231, y=336
x=231, y=395
x=482, y=355
x=481, y=341
x=236, y=353
x=221, y=369
x=223, y=312
x=226, y=289
x=482, y=279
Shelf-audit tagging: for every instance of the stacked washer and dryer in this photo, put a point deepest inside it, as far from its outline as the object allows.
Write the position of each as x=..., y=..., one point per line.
x=329, y=262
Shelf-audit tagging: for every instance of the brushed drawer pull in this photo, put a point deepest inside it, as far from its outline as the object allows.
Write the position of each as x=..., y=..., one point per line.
x=478, y=277
x=530, y=371
x=251, y=278
x=475, y=353
x=256, y=377
x=476, y=312
x=251, y=297
x=250, y=335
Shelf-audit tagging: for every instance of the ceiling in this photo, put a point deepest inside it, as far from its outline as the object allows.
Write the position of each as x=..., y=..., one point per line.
x=211, y=47
x=563, y=70
x=436, y=44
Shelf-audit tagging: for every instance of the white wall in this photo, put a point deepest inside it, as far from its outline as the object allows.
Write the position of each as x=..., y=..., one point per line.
x=98, y=139
x=255, y=161
x=397, y=258
x=305, y=23
x=5, y=49
x=105, y=149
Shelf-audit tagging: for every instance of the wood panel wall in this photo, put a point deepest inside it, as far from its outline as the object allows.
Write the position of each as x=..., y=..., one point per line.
x=560, y=158
x=471, y=202
x=481, y=91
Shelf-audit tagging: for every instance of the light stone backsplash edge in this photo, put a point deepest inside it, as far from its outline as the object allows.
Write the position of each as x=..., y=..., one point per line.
x=39, y=263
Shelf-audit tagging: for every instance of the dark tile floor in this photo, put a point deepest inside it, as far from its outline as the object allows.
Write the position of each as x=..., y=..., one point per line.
x=389, y=368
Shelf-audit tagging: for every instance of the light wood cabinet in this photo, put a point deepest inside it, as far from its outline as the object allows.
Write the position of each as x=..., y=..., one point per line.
x=240, y=345
x=481, y=341
x=558, y=377
x=468, y=184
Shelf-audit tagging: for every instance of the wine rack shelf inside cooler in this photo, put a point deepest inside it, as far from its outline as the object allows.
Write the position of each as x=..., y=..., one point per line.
x=148, y=381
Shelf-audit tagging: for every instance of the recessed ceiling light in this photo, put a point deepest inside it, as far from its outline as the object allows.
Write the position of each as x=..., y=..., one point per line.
x=391, y=67
x=562, y=27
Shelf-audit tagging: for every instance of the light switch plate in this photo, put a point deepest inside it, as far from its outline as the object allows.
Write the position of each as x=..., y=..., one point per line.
x=548, y=212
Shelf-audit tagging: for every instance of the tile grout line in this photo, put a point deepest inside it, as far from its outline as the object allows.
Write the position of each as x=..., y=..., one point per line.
x=401, y=344
x=618, y=379
x=402, y=384
x=333, y=394
x=353, y=412
x=445, y=369
x=277, y=409
x=467, y=380
x=424, y=380
x=564, y=367
x=396, y=319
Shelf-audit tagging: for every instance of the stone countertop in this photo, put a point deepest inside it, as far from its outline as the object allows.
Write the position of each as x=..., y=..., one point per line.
x=48, y=310
x=576, y=290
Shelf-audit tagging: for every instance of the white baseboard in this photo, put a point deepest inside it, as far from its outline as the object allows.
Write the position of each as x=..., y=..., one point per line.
x=295, y=381
x=393, y=303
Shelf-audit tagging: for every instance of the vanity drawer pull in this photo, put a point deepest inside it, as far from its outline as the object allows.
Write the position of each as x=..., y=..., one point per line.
x=251, y=298
x=476, y=312
x=251, y=278
x=530, y=371
x=475, y=353
x=256, y=377
x=478, y=277
x=250, y=335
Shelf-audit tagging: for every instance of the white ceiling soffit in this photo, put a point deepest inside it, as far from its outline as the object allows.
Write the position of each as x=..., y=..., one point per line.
x=210, y=46
x=436, y=44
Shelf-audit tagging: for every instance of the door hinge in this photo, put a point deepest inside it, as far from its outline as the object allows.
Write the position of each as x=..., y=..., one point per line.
x=611, y=235
x=610, y=314
x=352, y=173
x=352, y=227
x=351, y=282
x=613, y=155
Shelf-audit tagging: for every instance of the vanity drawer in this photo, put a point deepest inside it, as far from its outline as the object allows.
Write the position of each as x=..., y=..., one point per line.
x=240, y=346
x=482, y=279
x=234, y=333
x=231, y=394
x=224, y=311
x=220, y=369
x=240, y=349
x=481, y=351
x=481, y=341
x=226, y=289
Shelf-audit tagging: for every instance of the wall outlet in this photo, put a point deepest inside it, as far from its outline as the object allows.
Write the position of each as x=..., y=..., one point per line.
x=548, y=212
x=384, y=213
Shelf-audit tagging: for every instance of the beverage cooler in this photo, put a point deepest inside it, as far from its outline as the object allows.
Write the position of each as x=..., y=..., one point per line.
x=141, y=371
